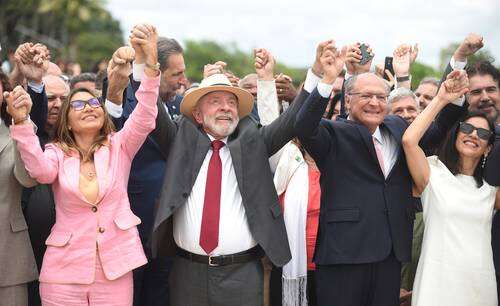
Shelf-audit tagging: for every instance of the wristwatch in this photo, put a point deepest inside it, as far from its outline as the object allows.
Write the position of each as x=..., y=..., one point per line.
x=403, y=79
x=153, y=66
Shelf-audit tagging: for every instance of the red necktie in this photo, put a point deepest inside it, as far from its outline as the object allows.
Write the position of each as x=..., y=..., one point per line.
x=209, y=233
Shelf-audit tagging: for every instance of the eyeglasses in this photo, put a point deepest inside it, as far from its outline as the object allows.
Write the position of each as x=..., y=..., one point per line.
x=468, y=128
x=78, y=105
x=368, y=96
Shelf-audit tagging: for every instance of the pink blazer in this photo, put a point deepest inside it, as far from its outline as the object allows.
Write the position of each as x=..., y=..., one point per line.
x=81, y=228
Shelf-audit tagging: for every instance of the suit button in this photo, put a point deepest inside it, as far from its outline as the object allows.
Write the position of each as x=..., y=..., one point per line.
x=185, y=195
x=94, y=208
x=101, y=230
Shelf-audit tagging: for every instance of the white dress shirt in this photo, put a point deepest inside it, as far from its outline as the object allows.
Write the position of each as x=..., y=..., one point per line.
x=234, y=232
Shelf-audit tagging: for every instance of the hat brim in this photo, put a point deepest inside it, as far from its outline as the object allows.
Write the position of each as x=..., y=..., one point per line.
x=191, y=98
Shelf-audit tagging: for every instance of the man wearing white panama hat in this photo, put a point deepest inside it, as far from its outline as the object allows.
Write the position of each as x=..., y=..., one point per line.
x=219, y=211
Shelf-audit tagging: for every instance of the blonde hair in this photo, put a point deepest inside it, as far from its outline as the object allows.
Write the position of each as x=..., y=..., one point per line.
x=64, y=137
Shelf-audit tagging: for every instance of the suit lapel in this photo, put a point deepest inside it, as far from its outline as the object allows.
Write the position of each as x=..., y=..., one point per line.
x=4, y=136
x=234, y=146
x=101, y=162
x=396, y=134
x=368, y=140
x=202, y=146
x=72, y=171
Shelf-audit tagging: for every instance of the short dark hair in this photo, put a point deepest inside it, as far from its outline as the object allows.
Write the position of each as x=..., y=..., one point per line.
x=83, y=77
x=4, y=81
x=483, y=68
x=448, y=153
x=167, y=47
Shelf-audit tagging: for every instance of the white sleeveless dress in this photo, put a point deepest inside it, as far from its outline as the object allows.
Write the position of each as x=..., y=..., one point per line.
x=456, y=263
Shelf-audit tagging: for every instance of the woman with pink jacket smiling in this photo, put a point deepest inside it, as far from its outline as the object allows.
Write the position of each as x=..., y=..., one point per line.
x=94, y=244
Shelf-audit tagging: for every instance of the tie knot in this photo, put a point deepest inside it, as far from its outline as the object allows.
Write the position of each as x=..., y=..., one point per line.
x=217, y=144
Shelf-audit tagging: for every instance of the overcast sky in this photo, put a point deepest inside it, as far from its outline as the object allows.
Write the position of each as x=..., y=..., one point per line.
x=291, y=29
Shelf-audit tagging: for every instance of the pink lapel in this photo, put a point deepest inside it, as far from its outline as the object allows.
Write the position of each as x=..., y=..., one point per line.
x=72, y=175
x=101, y=162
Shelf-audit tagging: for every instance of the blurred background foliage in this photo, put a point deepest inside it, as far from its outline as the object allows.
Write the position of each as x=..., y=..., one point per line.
x=85, y=32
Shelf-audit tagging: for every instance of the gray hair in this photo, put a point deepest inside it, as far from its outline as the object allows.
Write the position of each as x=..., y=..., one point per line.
x=430, y=80
x=248, y=78
x=400, y=93
x=83, y=77
x=350, y=82
x=167, y=47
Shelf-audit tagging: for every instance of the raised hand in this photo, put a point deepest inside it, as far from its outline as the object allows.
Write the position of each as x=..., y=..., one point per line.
x=264, y=64
x=232, y=78
x=401, y=60
x=353, y=59
x=119, y=69
x=285, y=89
x=379, y=70
x=143, y=39
x=317, y=68
x=332, y=62
x=215, y=68
x=455, y=86
x=471, y=44
x=32, y=61
x=18, y=104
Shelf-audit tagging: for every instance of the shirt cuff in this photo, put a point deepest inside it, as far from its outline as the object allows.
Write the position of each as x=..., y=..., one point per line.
x=311, y=81
x=138, y=71
x=36, y=87
x=325, y=90
x=113, y=109
x=460, y=101
x=456, y=65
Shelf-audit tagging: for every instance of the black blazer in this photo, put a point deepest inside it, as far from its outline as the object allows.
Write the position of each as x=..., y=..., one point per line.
x=363, y=216
x=250, y=145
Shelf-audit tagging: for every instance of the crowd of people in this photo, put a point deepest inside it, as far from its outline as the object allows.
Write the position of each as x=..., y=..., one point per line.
x=137, y=187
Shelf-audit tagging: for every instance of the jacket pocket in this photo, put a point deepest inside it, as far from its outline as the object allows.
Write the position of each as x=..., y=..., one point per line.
x=127, y=220
x=345, y=214
x=58, y=238
x=276, y=210
x=18, y=224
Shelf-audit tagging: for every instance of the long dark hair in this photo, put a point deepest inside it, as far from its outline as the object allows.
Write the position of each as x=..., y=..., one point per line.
x=448, y=153
x=4, y=81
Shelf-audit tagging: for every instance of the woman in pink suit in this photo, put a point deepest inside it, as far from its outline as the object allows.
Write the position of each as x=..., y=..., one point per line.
x=94, y=245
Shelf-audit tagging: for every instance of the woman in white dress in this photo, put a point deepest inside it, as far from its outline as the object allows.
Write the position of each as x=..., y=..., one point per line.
x=456, y=263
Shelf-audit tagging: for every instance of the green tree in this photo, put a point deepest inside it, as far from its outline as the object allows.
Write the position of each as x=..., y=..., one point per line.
x=419, y=71
x=199, y=53
x=447, y=52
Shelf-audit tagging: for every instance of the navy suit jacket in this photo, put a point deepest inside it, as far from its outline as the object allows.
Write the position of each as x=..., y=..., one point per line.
x=148, y=167
x=363, y=216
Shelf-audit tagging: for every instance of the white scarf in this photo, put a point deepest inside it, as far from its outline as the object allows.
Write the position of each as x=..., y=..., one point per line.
x=292, y=177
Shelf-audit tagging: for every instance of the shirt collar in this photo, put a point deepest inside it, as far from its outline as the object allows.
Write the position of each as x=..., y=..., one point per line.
x=224, y=140
x=378, y=135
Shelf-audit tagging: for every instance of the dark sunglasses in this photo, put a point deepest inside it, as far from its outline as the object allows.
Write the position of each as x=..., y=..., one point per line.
x=468, y=128
x=78, y=105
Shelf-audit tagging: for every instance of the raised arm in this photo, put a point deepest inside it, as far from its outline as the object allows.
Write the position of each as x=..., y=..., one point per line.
x=142, y=120
x=267, y=98
x=455, y=86
x=41, y=165
x=310, y=131
x=403, y=56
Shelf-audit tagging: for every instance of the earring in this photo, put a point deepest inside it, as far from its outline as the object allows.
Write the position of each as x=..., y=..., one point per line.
x=484, y=160
x=69, y=128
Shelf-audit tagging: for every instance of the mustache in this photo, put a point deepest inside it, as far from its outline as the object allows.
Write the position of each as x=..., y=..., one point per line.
x=485, y=104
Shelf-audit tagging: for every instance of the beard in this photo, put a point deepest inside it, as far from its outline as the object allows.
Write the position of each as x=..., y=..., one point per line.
x=223, y=130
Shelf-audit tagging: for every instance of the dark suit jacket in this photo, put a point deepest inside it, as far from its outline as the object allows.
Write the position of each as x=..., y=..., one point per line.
x=363, y=216
x=250, y=145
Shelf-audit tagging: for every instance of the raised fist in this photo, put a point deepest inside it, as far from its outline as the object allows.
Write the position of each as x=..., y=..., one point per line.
x=317, y=69
x=18, y=103
x=455, y=86
x=332, y=62
x=143, y=39
x=264, y=64
x=32, y=61
x=119, y=69
x=471, y=44
x=215, y=68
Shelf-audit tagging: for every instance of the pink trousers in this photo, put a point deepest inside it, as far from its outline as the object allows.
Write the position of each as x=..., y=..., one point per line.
x=102, y=292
